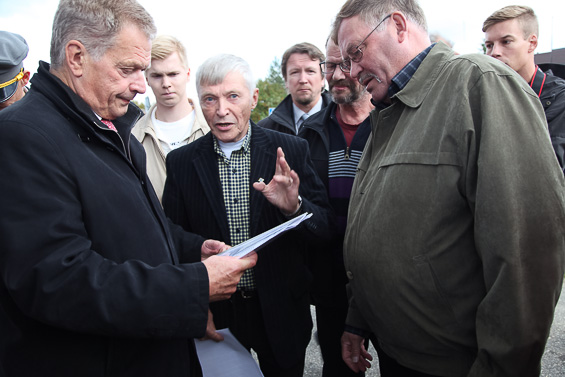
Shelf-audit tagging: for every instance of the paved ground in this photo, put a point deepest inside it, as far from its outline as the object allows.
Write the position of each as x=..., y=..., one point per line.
x=553, y=362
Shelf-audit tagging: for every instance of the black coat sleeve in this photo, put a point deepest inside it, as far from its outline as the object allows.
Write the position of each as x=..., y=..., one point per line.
x=122, y=282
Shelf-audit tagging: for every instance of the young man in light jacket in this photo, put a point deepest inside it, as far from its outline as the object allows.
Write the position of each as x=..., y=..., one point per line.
x=174, y=120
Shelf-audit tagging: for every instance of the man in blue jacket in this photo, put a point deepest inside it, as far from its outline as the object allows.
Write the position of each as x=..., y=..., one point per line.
x=94, y=280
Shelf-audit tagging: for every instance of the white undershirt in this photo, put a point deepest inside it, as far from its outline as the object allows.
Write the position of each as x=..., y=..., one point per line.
x=228, y=148
x=173, y=135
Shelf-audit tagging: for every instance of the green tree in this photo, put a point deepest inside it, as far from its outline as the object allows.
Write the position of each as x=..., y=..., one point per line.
x=271, y=91
x=139, y=104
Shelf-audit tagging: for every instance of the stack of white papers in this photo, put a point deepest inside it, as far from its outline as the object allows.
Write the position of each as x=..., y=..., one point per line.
x=227, y=358
x=259, y=240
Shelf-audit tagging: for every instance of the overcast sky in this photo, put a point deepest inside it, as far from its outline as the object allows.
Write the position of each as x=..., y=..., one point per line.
x=260, y=30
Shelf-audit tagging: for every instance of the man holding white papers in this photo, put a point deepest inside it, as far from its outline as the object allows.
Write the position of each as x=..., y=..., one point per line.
x=236, y=182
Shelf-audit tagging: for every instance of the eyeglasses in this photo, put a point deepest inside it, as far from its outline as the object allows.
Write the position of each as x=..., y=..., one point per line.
x=328, y=68
x=357, y=54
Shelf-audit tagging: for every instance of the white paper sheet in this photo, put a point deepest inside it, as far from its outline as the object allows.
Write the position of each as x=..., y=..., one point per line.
x=256, y=242
x=227, y=358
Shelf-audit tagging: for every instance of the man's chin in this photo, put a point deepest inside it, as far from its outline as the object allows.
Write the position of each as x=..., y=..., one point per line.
x=304, y=101
x=119, y=112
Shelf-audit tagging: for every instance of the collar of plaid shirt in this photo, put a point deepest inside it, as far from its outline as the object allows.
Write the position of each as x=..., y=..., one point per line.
x=234, y=176
x=403, y=77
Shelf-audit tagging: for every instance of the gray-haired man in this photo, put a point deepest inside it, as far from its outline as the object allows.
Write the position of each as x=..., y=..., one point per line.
x=454, y=247
x=94, y=280
x=235, y=183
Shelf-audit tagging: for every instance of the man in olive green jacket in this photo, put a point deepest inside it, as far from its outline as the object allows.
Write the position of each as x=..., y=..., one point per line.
x=455, y=240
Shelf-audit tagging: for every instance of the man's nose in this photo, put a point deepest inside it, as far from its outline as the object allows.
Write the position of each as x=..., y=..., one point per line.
x=222, y=108
x=355, y=70
x=338, y=74
x=138, y=83
x=495, y=50
x=166, y=81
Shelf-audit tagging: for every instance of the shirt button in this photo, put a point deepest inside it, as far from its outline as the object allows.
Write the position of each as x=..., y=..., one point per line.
x=350, y=275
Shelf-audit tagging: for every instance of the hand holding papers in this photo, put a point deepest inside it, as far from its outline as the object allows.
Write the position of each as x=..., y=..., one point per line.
x=260, y=240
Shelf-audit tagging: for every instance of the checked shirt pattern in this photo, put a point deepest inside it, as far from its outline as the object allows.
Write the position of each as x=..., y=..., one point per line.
x=234, y=176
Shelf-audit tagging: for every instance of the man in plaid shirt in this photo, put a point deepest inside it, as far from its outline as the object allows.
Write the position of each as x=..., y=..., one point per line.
x=236, y=182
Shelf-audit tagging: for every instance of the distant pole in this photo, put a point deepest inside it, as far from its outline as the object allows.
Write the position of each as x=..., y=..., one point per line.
x=147, y=104
x=552, y=25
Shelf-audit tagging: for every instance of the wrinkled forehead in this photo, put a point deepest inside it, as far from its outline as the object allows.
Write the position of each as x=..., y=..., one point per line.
x=350, y=33
x=332, y=52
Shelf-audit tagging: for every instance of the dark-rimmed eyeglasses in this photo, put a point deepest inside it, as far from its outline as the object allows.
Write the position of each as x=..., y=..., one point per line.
x=328, y=68
x=357, y=53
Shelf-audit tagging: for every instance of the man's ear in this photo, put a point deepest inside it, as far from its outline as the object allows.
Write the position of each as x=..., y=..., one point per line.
x=254, y=98
x=25, y=79
x=75, y=55
x=533, y=40
x=400, y=25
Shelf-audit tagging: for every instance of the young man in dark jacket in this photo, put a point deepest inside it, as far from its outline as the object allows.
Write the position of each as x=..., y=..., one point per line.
x=511, y=36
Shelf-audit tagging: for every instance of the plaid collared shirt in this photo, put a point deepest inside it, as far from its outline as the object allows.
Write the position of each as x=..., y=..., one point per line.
x=401, y=79
x=234, y=176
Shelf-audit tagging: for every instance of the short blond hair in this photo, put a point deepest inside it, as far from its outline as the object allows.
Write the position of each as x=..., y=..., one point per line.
x=525, y=16
x=165, y=45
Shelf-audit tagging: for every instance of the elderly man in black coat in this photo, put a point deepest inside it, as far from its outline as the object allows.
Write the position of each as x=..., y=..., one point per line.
x=236, y=182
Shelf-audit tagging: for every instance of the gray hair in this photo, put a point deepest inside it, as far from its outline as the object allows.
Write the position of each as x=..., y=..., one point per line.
x=372, y=12
x=215, y=69
x=96, y=24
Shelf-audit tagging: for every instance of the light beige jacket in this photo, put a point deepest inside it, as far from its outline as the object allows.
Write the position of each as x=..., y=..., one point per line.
x=144, y=131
